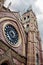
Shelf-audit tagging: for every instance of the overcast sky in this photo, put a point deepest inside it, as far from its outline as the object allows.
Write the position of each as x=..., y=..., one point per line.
x=22, y=5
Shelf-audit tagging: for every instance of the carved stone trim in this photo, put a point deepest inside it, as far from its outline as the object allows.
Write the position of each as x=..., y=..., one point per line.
x=15, y=55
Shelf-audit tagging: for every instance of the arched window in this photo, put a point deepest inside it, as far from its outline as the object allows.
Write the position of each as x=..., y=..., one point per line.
x=37, y=59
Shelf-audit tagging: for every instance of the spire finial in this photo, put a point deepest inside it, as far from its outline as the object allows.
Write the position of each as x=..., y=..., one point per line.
x=9, y=5
x=29, y=8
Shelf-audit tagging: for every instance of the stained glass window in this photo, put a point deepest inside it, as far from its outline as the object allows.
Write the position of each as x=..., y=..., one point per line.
x=11, y=33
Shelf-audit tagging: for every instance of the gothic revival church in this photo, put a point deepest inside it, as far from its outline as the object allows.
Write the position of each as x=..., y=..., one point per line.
x=20, y=42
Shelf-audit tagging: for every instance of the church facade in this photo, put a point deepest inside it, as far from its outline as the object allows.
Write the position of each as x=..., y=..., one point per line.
x=20, y=42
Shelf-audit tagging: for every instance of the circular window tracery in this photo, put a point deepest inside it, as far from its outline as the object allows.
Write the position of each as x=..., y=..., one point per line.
x=11, y=33
x=18, y=26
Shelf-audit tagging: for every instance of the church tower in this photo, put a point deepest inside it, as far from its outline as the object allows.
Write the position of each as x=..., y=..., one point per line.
x=20, y=42
x=34, y=54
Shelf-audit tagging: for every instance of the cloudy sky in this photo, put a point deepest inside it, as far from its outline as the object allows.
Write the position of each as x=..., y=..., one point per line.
x=23, y=5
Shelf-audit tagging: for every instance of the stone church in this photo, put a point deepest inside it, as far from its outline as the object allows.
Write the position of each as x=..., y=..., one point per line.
x=20, y=42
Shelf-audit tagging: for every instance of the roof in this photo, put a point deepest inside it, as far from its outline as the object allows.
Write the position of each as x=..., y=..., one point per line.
x=28, y=12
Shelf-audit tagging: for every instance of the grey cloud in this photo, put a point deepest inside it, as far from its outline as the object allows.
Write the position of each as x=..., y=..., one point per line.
x=23, y=4
x=40, y=26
